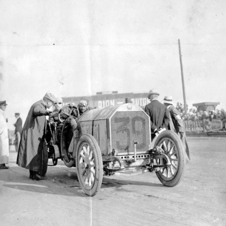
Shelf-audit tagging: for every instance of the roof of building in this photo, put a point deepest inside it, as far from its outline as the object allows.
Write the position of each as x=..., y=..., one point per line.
x=206, y=104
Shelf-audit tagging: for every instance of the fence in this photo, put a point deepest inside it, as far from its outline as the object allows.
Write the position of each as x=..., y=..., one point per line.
x=203, y=125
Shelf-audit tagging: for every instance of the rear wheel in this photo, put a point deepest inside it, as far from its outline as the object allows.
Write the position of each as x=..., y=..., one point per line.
x=89, y=164
x=171, y=174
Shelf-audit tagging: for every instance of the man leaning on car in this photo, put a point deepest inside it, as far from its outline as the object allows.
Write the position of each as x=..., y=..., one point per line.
x=159, y=116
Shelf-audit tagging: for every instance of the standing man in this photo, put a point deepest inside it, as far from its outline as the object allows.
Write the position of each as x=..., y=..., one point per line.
x=176, y=124
x=4, y=139
x=32, y=152
x=157, y=112
x=18, y=130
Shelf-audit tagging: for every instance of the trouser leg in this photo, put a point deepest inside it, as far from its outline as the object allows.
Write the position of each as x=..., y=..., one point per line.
x=18, y=141
x=74, y=141
x=31, y=174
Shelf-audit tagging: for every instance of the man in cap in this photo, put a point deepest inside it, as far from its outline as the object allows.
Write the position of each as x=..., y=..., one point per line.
x=18, y=130
x=4, y=139
x=157, y=112
x=83, y=106
x=176, y=124
x=32, y=152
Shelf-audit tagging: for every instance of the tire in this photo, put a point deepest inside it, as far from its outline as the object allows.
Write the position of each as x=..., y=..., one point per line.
x=89, y=165
x=172, y=146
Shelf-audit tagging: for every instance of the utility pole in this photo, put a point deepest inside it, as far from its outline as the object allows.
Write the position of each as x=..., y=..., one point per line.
x=182, y=78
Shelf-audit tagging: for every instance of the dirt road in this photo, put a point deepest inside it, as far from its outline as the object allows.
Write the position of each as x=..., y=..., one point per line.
x=200, y=198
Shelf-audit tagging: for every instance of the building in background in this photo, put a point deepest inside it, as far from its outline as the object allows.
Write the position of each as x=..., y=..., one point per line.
x=104, y=99
x=206, y=106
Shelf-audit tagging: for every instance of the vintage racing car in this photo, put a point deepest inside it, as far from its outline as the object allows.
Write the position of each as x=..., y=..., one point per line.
x=115, y=139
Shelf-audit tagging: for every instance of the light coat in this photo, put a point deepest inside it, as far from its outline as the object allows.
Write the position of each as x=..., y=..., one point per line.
x=4, y=139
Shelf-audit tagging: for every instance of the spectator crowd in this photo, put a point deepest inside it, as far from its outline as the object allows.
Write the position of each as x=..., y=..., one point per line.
x=194, y=115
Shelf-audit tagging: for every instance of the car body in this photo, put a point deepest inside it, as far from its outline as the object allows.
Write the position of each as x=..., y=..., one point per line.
x=117, y=139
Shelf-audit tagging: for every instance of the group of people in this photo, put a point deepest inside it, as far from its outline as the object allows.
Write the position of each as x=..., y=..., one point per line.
x=165, y=116
x=193, y=114
x=199, y=120
x=30, y=140
x=4, y=141
x=32, y=152
x=31, y=143
x=160, y=115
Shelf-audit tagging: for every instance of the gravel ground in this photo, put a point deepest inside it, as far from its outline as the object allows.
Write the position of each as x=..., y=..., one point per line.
x=199, y=199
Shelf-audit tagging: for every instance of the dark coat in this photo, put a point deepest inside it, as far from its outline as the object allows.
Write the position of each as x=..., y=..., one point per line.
x=158, y=114
x=18, y=125
x=176, y=119
x=32, y=148
x=177, y=125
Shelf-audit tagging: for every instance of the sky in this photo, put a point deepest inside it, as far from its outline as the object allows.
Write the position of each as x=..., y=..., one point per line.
x=80, y=47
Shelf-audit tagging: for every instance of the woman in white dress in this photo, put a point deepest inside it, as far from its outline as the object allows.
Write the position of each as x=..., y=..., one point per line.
x=4, y=139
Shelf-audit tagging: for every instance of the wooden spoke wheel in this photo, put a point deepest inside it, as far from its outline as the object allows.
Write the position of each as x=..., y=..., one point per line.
x=89, y=164
x=170, y=174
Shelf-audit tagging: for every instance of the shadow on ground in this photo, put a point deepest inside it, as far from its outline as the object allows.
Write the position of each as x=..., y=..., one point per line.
x=59, y=181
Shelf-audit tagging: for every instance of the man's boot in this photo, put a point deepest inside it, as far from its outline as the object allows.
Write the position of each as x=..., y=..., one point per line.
x=31, y=174
x=3, y=166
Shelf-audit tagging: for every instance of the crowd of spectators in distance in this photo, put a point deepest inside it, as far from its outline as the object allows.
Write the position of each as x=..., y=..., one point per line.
x=193, y=114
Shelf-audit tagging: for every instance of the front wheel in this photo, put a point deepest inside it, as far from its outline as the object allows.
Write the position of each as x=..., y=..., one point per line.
x=89, y=164
x=171, y=174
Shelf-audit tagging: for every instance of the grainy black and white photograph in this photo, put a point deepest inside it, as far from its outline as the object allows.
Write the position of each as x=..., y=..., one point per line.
x=112, y=112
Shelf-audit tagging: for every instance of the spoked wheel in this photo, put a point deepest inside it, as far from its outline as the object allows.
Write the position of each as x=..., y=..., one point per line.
x=170, y=174
x=89, y=164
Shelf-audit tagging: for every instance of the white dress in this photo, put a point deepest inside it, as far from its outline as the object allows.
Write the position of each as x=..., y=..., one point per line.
x=4, y=139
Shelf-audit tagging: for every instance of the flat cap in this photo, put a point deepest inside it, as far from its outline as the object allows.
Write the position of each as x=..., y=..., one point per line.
x=82, y=103
x=51, y=97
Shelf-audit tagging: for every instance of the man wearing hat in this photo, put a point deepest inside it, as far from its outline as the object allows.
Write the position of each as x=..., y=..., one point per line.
x=32, y=152
x=83, y=106
x=157, y=112
x=4, y=139
x=176, y=124
x=18, y=130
